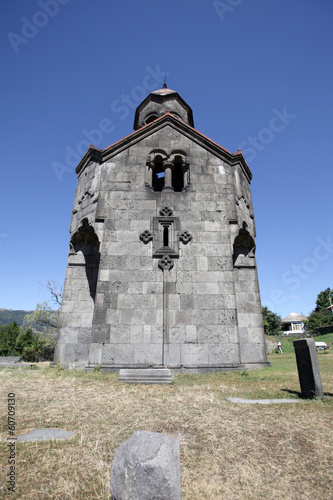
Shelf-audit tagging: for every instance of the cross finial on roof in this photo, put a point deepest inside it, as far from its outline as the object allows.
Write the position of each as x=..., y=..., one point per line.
x=165, y=84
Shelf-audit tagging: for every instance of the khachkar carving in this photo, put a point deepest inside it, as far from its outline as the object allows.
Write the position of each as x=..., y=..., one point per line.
x=165, y=236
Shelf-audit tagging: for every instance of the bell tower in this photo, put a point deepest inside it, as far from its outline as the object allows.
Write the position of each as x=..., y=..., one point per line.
x=162, y=268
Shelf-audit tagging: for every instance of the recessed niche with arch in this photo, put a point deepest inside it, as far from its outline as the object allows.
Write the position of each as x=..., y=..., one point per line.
x=84, y=251
x=244, y=248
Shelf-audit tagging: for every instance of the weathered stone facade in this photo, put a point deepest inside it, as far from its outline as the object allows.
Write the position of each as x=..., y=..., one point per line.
x=161, y=268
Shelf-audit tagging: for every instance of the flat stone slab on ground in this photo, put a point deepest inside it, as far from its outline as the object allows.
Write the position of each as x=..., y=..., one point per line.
x=147, y=467
x=262, y=401
x=145, y=376
x=9, y=359
x=44, y=434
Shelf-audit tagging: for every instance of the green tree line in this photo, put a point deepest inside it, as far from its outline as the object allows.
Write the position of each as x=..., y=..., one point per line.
x=17, y=341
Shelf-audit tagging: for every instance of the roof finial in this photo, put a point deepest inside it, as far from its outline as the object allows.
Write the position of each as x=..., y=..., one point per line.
x=165, y=84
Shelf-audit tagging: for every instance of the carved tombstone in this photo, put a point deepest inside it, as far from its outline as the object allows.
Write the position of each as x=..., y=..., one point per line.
x=162, y=268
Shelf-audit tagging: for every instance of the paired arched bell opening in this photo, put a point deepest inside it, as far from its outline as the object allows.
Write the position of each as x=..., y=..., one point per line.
x=167, y=172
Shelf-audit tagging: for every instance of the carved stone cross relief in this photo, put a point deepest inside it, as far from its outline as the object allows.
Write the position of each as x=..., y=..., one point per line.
x=165, y=236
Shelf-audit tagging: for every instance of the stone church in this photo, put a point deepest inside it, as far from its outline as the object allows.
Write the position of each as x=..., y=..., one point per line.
x=161, y=269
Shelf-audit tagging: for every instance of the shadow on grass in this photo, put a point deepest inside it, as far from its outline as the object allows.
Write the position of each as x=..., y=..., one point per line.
x=300, y=395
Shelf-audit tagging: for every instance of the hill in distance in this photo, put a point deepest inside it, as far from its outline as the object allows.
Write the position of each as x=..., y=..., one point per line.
x=7, y=316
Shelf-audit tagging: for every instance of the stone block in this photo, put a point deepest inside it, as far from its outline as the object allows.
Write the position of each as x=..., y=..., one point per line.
x=86, y=319
x=146, y=467
x=223, y=354
x=191, y=336
x=213, y=334
x=84, y=336
x=177, y=334
x=135, y=334
x=119, y=354
x=136, y=287
x=145, y=376
x=148, y=355
x=308, y=368
x=104, y=275
x=174, y=301
x=194, y=354
x=202, y=264
x=100, y=333
x=172, y=355
x=69, y=335
x=251, y=352
x=119, y=334
x=95, y=354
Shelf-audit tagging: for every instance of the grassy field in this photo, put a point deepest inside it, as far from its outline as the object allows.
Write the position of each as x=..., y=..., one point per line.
x=228, y=451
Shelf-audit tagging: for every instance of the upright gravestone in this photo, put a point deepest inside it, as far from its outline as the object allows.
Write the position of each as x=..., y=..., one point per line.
x=146, y=467
x=308, y=368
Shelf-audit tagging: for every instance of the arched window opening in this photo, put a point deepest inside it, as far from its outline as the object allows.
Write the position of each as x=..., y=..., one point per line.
x=167, y=172
x=158, y=177
x=177, y=177
x=150, y=119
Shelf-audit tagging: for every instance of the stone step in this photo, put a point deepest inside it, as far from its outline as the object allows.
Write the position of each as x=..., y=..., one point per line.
x=145, y=376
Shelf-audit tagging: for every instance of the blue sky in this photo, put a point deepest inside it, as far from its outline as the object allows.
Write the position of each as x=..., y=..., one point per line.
x=257, y=74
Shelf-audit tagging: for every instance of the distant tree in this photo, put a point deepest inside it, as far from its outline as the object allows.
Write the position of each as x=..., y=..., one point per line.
x=42, y=319
x=39, y=350
x=272, y=322
x=8, y=339
x=318, y=319
x=323, y=299
x=55, y=291
x=321, y=316
x=45, y=318
x=24, y=340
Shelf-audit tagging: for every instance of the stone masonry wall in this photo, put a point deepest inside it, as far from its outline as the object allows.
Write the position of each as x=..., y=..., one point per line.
x=208, y=311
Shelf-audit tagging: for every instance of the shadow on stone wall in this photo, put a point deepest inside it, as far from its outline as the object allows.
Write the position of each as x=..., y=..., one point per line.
x=85, y=242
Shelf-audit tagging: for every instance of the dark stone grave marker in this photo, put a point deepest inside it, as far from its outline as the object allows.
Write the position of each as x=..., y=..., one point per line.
x=308, y=368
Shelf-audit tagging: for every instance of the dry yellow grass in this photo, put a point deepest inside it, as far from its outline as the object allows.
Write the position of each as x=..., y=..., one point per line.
x=228, y=450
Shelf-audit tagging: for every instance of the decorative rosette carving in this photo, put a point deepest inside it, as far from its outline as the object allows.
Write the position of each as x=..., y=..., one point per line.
x=166, y=212
x=146, y=236
x=185, y=237
x=165, y=263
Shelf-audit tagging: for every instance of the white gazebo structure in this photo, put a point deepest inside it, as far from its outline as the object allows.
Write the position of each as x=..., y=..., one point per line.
x=294, y=323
